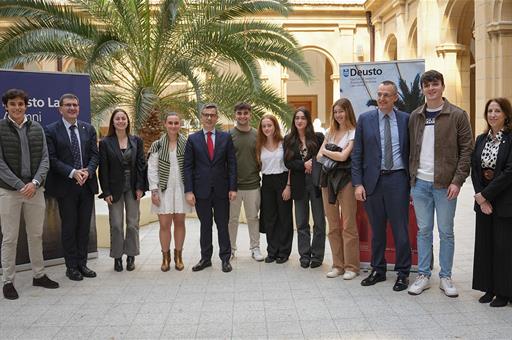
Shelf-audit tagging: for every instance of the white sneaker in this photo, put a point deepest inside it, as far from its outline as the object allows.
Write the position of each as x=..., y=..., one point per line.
x=446, y=285
x=256, y=254
x=349, y=275
x=422, y=283
x=232, y=254
x=335, y=272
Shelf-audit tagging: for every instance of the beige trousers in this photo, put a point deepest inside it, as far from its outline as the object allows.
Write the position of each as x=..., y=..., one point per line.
x=343, y=235
x=12, y=203
x=251, y=200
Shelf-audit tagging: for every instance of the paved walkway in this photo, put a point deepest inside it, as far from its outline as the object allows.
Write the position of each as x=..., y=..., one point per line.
x=255, y=301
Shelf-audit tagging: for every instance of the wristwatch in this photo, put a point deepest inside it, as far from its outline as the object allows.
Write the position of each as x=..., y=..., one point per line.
x=36, y=183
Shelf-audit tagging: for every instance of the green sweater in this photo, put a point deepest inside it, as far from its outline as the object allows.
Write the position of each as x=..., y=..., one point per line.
x=247, y=167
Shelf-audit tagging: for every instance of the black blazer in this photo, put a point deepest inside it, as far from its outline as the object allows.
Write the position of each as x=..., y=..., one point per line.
x=111, y=171
x=202, y=174
x=61, y=159
x=499, y=190
x=296, y=166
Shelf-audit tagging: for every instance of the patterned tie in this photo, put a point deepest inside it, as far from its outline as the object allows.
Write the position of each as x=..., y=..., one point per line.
x=388, y=151
x=210, y=144
x=75, y=148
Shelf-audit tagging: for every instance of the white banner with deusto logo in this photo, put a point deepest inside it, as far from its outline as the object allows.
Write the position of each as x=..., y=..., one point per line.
x=359, y=82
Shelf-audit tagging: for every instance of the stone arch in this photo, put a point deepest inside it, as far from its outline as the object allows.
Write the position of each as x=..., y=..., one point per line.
x=502, y=10
x=321, y=91
x=391, y=47
x=412, y=37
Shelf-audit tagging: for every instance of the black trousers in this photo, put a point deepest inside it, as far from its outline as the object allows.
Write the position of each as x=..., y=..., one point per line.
x=75, y=210
x=390, y=202
x=492, y=263
x=276, y=215
x=207, y=210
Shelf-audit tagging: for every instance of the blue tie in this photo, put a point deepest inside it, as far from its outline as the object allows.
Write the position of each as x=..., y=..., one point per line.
x=75, y=148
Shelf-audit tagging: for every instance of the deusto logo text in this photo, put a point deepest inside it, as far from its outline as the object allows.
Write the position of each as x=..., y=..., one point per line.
x=352, y=72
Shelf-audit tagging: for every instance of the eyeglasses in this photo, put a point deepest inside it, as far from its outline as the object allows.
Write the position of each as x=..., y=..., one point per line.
x=384, y=95
x=209, y=115
x=68, y=105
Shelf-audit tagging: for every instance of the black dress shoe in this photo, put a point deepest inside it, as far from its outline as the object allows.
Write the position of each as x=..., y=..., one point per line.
x=315, y=264
x=118, y=264
x=74, y=274
x=304, y=263
x=373, y=278
x=401, y=283
x=226, y=267
x=86, y=272
x=499, y=301
x=282, y=260
x=130, y=263
x=45, y=282
x=269, y=259
x=10, y=292
x=486, y=298
x=202, y=264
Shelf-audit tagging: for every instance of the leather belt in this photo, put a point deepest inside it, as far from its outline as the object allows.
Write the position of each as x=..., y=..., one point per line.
x=488, y=174
x=389, y=172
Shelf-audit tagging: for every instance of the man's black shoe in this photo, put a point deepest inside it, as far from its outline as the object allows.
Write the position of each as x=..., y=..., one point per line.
x=269, y=259
x=226, y=267
x=118, y=264
x=130, y=263
x=304, y=263
x=45, y=282
x=10, y=292
x=281, y=260
x=373, y=278
x=74, y=274
x=202, y=264
x=86, y=272
x=402, y=282
x=315, y=264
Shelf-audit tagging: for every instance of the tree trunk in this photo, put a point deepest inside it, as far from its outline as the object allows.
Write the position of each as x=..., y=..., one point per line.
x=151, y=130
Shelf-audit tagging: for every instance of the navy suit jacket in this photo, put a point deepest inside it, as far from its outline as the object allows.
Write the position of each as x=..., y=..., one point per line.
x=202, y=174
x=367, y=154
x=58, y=182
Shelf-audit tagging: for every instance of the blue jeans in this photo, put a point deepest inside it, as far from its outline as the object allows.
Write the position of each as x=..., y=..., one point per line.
x=426, y=200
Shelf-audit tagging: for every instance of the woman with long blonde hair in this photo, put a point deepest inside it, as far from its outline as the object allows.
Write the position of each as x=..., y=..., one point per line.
x=276, y=206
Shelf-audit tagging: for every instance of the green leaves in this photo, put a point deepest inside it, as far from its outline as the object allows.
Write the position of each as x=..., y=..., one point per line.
x=148, y=57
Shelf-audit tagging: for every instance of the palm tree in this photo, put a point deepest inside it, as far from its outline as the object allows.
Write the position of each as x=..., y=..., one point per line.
x=135, y=51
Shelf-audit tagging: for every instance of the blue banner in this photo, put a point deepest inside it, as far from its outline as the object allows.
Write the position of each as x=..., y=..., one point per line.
x=44, y=90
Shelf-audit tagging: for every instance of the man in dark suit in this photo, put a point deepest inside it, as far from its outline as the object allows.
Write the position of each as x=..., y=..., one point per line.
x=210, y=184
x=72, y=180
x=380, y=177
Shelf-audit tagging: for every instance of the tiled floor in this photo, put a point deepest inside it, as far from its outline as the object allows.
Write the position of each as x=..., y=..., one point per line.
x=256, y=300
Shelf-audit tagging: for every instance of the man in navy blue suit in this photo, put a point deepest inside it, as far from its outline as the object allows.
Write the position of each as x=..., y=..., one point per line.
x=380, y=177
x=210, y=184
x=72, y=181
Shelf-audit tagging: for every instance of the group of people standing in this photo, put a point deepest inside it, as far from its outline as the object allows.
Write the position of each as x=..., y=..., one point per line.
x=381, y=159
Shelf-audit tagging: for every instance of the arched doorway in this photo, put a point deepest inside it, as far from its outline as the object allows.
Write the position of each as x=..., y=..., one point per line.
x=390, y=48
x=318, y=95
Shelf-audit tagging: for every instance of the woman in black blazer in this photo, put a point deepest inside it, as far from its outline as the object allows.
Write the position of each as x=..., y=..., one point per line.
x=122, y=179
x=491, y=173
x=301, y=146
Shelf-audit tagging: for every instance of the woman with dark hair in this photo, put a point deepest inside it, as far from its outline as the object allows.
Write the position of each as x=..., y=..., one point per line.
x=122, y=179
x=165, y=176
x=338, y=193
x=301, y=146
x=276, y=205
x=491, y=173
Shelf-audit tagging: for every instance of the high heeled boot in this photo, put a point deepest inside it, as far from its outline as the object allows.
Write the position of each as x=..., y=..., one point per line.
x=166, y=261
x=178, y=260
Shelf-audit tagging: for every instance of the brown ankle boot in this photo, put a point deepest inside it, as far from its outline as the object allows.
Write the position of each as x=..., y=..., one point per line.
x=166, y=261
x=178, y=260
